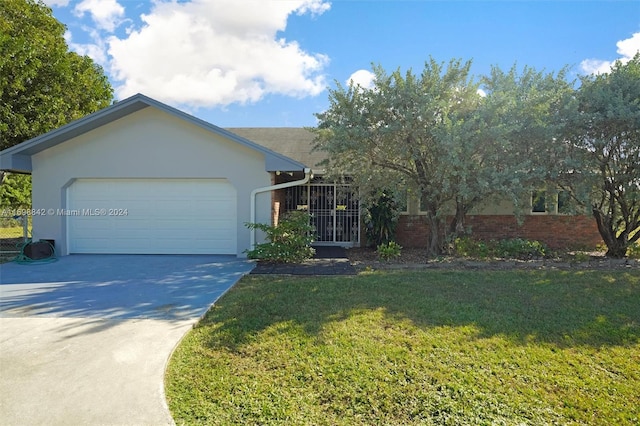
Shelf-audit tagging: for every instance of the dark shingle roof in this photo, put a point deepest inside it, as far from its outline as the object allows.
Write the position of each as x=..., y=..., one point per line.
x=293, y=142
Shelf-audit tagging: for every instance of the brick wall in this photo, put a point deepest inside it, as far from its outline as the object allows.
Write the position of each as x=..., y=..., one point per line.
x=556, y=231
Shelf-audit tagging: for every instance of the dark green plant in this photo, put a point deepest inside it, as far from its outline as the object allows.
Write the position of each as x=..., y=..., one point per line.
x=288, y=242
x=520, y=248
x=513, y=248
x=43, y=84
x=381, y=219
x=633, y=252
x=15, y=191
x=388, y=251
x=468, y=247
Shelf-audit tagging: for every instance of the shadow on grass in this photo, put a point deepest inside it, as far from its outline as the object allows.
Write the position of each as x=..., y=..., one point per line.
x=565, y=309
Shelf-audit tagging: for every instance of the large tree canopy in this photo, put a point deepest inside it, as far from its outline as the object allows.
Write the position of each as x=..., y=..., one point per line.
x=403, y=133
x=42, y=84
x=603, y=164
x=437, y=137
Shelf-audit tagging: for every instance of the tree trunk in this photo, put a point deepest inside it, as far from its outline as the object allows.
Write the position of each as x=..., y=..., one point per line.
x=456, y=228
x=616, y=245
x=435, y=240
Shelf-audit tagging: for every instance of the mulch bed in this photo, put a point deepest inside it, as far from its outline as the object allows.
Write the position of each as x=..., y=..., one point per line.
x=367, y=259
x=310, y=267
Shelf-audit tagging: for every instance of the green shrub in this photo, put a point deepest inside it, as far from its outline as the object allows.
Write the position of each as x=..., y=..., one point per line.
x=515, y=248
x=468, y=247
x=289, y=242
x=388, y=251
x=633, y=252
x=519, y=248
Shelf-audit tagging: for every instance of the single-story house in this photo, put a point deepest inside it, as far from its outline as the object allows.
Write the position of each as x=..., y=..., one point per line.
x=141, y=177
x=336, y=213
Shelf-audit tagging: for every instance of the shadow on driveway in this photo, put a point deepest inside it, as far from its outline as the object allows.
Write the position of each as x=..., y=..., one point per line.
x=85, y=340
x=167, y=287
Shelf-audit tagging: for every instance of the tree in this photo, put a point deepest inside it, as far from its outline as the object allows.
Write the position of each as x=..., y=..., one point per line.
x=524, y=117
x=603, y=163
x=434, y=135
x=42, y=85
x=15, y=191
x=399, y=134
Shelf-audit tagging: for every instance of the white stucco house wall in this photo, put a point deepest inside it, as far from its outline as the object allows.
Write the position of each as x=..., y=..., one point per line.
x=141, y=177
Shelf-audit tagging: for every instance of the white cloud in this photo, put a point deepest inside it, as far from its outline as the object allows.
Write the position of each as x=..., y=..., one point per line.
x=314, y=7
x=482, y=93
x=627, y=49
x=56, y=3
x=211, y=53
x=362, y=78
x=107, y=14
x=95, y=50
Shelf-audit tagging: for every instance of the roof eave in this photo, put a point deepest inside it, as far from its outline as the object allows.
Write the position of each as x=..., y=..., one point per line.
x=14, y=158
x=16, y=163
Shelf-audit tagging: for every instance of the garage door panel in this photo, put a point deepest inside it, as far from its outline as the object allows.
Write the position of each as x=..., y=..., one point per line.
x=162, y=216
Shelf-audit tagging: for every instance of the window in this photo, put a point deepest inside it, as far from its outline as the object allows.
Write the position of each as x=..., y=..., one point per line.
x=550, y=203
x=539, y=201
x=402, y=202
x=423, y=204
x=564, y=203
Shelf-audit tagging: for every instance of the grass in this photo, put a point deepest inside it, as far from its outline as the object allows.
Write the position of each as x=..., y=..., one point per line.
x=431, y=347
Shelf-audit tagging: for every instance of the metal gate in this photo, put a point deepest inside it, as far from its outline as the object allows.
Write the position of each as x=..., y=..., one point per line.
x=334, y=210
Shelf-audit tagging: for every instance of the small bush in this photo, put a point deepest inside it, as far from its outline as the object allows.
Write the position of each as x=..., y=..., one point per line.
x=388, y=251
x=468, y=247
x=516, y=248
x=289, y=242
x=520, y=248
x=633, y=252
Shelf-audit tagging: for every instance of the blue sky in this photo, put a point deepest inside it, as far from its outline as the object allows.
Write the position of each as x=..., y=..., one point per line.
x=267, y=63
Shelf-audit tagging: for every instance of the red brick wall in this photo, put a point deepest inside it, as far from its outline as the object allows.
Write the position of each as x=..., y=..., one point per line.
x=556, y=231
x=412, y=231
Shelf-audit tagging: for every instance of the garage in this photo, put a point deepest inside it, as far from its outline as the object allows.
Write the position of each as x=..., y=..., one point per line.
x=151, y=216
x=141, y=177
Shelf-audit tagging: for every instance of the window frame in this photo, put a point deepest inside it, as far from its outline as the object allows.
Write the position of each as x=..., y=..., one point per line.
x=559, y=207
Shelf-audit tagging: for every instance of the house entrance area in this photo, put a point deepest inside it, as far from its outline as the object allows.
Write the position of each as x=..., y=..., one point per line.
x=334, y=210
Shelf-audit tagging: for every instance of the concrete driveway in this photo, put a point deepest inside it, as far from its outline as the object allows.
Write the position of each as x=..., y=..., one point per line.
x=85, y=340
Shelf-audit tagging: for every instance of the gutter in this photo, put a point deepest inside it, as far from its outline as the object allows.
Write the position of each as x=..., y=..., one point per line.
x=307, y=178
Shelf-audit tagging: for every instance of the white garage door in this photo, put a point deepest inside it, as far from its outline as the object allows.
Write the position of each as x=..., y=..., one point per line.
x=152, y=216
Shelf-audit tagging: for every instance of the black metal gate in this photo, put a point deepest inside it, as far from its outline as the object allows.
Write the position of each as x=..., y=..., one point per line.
x=334, y=210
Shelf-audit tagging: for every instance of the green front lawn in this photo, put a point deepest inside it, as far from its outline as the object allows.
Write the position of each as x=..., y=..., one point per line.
x=428, y=347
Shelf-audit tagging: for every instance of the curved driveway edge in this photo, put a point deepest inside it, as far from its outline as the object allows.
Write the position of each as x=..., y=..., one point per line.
x=86, y=340
x=64, y=371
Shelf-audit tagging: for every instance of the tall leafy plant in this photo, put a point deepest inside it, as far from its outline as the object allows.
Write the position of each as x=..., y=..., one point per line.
x=381, y=219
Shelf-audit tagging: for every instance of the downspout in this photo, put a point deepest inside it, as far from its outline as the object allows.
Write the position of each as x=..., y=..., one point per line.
x=307, y=177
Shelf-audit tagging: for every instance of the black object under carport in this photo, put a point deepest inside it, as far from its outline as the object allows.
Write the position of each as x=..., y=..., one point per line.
x=41, y=251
